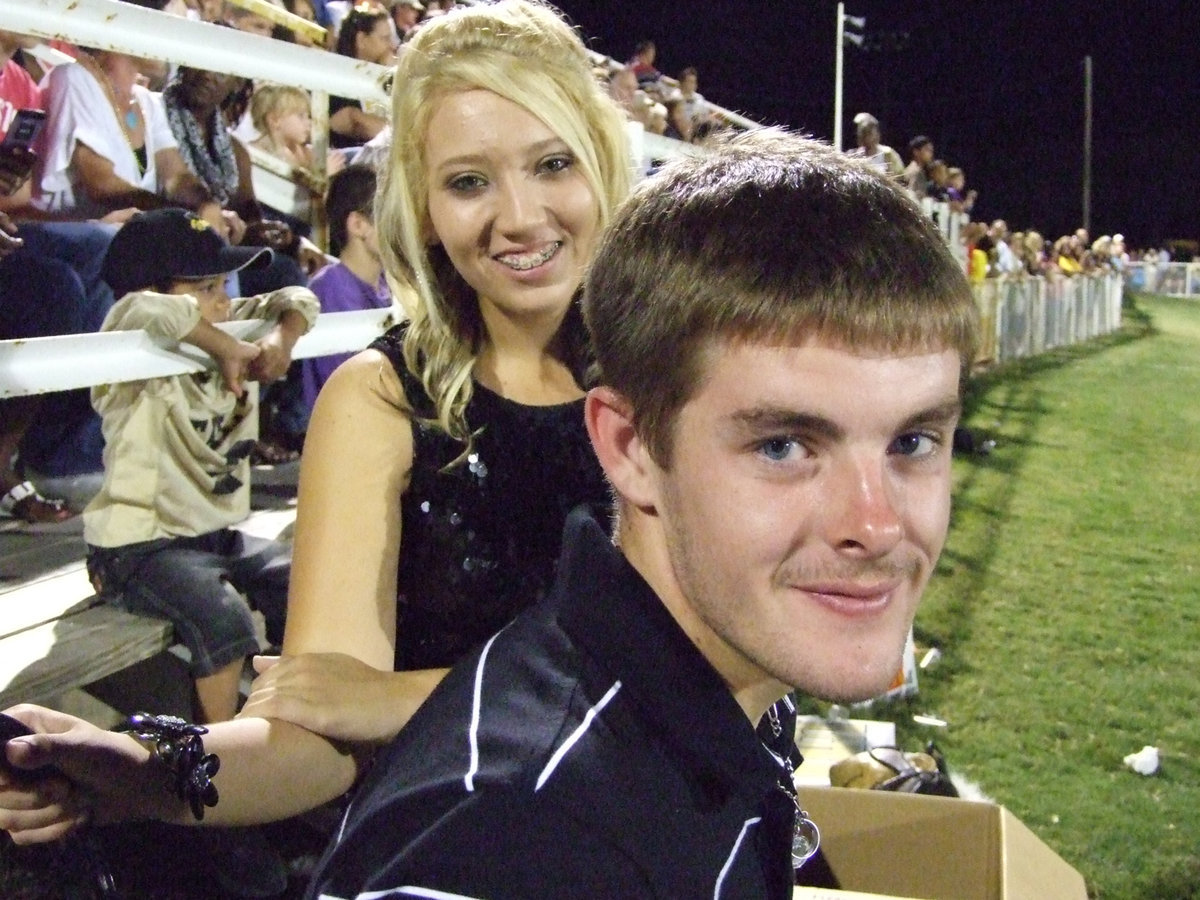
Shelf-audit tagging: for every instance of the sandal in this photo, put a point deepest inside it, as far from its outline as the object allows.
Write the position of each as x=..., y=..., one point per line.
x=268, y=453
x=25, y=503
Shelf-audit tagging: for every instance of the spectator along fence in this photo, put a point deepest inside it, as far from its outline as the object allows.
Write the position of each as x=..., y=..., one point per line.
x=1025, y=315
x=1179, y=279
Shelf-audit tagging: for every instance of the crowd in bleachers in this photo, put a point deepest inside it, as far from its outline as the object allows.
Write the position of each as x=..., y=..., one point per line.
x=671, y=107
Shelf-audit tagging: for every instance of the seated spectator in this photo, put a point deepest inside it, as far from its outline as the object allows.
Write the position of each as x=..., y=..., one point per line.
x=374, y=153
x=282, y=116
x=698, y=110
x=247, y=20
x=920, y=150
x=364, y=34
x=303, y=9
x=623, y=87
x=35, y=300
x=50, y=284
x=649, y=79
x=107, y=145
x=880, y=157
x=406, y=16
x=356, y=280
x=195, y=103
x=176, y=469
x=678, y=125
x=210, y=10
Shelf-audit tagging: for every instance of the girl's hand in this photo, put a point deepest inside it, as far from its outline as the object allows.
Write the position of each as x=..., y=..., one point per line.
x=336, y=695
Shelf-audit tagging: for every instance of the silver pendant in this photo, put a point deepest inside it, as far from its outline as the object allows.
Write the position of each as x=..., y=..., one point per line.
x=806, y=838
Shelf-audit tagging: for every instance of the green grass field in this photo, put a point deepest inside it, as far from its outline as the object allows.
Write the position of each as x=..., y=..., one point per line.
x=1067, y=603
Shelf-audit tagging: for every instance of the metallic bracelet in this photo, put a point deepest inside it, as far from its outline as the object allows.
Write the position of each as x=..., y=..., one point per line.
x=178, y=747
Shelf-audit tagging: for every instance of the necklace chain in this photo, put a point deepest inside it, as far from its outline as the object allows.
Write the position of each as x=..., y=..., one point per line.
x=127, y=119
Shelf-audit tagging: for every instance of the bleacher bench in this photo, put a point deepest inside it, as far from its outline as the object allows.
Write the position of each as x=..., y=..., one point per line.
x=56, y=635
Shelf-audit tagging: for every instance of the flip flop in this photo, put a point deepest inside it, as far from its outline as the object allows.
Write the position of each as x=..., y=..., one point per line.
x=268, y=453
x=25, y=503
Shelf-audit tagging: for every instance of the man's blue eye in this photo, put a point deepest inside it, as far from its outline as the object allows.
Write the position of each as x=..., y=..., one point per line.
x=777, y=448
x=914, y=444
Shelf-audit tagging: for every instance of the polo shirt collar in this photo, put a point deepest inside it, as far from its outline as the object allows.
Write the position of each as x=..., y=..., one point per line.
x=610, y=611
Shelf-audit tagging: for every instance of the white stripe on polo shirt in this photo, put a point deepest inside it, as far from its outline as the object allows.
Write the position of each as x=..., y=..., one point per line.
x=476, y=704
x=733, y=853
x=407, y=891
x=575, y=736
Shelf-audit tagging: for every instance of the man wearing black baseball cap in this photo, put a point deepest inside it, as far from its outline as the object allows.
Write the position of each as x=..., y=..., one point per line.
x=176, y=472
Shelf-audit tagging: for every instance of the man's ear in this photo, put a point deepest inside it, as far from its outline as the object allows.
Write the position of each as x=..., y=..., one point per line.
x=622, y=454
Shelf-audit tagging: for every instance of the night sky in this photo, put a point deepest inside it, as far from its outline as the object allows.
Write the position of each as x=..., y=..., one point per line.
x=998, y=86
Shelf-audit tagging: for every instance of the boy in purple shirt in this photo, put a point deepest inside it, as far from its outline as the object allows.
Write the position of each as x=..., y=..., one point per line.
x=356, y=280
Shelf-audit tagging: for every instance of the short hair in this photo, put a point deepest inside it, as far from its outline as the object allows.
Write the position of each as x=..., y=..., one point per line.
x=770, y=238
x=918, y=142
x=686, y=71
x=276, y=98
x=360, y=20
x=524, y=52
x=350, y=190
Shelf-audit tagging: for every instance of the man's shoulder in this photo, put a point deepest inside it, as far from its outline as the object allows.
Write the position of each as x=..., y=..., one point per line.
x=497, y=711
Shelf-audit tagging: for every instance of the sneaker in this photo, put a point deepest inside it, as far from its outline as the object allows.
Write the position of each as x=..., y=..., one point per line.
x=76, y=490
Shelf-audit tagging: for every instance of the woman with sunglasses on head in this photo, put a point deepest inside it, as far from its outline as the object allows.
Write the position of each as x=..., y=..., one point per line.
x=440, y=464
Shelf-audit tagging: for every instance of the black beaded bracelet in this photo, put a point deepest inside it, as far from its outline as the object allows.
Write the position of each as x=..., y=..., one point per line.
x=178, y=747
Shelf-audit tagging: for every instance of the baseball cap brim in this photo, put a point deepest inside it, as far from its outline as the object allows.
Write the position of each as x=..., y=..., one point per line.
x=228, y=260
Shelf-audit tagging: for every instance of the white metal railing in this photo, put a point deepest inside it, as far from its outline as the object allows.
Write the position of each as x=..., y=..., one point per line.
x=43, y=365
x=1180, y=279
x=150, y=34
x=1024, y=316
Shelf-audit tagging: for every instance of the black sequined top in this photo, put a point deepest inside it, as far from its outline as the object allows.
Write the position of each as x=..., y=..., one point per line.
x=479, y=541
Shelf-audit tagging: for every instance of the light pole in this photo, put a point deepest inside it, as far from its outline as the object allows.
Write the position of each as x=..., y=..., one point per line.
x=842, y=36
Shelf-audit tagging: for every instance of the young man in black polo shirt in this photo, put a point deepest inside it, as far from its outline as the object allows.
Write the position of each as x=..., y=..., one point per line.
x=781, y=339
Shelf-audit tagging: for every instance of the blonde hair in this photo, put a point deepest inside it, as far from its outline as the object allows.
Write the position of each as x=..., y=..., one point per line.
x=276, y=98
x=522, y=51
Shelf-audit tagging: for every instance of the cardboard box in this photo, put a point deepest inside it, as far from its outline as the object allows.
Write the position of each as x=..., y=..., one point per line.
x=884, y=844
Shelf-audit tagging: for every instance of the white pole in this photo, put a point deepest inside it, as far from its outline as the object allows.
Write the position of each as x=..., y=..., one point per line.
x=1087, y=143
x=837, y=77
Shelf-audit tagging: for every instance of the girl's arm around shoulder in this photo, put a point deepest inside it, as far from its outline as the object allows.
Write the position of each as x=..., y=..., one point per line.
x=336, y=674
x=357, y=458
